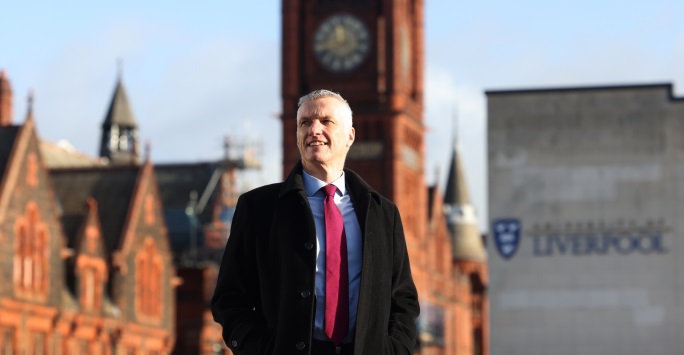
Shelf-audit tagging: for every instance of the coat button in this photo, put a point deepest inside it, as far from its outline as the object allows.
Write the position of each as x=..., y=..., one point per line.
x=234, y=343
x=300, y=346
x=305, y=294
x=308, y=245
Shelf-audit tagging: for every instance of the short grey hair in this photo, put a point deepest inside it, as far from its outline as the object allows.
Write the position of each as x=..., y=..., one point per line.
x=321, y=94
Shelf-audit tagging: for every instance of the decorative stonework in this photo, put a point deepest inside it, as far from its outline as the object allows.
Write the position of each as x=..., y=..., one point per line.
x=31, y=255
x=149, y=210
x=32, y=170
x=148, y=282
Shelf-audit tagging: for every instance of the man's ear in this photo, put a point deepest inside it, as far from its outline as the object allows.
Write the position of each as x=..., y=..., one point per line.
x=352, y=136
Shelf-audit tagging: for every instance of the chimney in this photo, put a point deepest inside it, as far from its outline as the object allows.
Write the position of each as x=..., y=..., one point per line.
x=5, y=100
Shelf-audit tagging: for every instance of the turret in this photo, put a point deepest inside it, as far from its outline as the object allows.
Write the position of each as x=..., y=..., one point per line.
x=119, y=141
x=460, y=214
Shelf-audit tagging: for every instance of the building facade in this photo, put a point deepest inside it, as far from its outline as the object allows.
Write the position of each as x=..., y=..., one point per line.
x=87, y=267
x=111, y=255
x=585, y=193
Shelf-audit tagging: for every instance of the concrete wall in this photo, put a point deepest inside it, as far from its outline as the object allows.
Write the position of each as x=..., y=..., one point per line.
x=585, y=189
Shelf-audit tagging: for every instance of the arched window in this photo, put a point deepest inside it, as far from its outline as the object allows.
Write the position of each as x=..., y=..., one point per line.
x=31, y=254
x=149, y=274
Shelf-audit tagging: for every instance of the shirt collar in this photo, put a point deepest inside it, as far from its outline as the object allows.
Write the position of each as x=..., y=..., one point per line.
x=313, y=184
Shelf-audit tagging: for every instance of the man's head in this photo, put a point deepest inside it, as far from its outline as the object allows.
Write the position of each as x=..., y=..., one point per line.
x=324, y=130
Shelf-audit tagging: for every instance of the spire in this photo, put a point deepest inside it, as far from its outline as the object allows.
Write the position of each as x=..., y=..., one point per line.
x=5, y=100
x=29, y=105
x=456, y=189
x=119, y=69
x=460, y=213
x=119, y=141
x=120, y=112
x=148, y=150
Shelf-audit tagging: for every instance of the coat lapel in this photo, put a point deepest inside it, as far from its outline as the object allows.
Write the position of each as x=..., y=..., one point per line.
x=362, y=196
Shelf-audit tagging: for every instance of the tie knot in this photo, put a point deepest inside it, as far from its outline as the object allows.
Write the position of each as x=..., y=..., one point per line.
x=329, y=190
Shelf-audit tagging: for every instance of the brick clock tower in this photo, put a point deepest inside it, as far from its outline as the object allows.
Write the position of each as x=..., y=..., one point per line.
x=371, y=52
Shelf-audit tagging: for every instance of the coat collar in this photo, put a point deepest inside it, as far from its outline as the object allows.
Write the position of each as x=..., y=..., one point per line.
x=358, y=188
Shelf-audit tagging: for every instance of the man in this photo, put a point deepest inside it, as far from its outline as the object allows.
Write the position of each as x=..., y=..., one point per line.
x=317, y=264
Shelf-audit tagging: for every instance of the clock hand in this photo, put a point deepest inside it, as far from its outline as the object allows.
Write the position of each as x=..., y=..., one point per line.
x=329, y=44
x=339, y=33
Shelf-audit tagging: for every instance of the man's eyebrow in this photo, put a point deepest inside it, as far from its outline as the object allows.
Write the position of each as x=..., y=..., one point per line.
x=315, y=116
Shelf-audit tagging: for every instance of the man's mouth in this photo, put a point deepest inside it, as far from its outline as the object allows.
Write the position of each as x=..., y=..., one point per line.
x=316, y=143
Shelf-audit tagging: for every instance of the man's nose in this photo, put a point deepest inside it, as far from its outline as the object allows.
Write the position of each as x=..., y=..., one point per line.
x=316, y=127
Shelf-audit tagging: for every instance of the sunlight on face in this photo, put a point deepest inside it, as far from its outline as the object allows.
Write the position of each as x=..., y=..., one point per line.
x=324, y=133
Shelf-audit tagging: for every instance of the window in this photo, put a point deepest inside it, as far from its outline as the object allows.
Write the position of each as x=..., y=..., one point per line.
x=38, y=342
x=149, y=273
x=31, y=254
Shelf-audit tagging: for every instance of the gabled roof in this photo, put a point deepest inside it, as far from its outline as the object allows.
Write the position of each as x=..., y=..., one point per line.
x=8, y=135
x=120, y=112
x=83, y=243
x=113, y=190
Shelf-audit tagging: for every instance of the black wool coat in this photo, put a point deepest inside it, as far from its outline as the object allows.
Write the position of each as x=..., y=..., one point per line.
x=264, y=297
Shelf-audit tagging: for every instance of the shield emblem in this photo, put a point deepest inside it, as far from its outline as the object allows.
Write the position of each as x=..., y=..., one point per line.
x=507, y=236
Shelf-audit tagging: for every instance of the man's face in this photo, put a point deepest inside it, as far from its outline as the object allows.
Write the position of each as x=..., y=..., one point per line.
x=323, y=134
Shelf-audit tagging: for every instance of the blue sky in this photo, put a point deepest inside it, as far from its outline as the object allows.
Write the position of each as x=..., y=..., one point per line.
x=197, y=71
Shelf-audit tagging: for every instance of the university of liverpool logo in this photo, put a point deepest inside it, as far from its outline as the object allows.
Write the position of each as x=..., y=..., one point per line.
x=507, y=236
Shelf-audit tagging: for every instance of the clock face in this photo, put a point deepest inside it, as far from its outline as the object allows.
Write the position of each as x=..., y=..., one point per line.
x=341, y=43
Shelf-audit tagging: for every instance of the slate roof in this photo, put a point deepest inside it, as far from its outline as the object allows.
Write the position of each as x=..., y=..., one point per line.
x=113, y=190
x=120, y=112
x=8, y=135
x=56, y=155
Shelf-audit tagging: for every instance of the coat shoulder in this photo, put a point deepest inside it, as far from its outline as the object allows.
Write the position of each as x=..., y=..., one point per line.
x=261, y=195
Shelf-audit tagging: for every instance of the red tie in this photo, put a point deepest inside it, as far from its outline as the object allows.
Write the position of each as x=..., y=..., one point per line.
x=336, y=272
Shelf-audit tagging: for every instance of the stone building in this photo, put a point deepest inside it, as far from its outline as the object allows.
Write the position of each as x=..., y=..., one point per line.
x=87, y=267
x=585, y=191
x=115, y=215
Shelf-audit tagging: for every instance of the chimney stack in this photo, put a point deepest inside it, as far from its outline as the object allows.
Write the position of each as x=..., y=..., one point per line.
x=5, y=100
